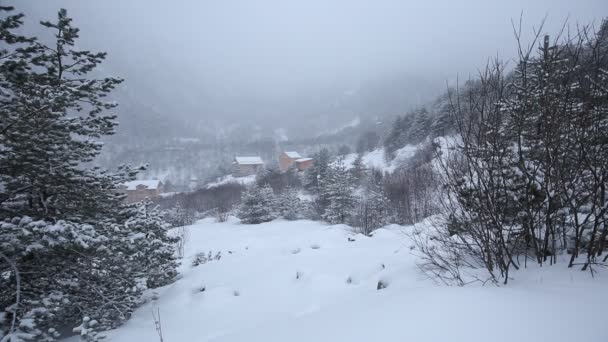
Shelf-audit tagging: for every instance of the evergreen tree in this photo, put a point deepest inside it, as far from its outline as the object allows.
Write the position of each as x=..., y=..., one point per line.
x=391, y=142
x=441, y=124
x=178, y=216
x=78, y=248
x=421, y=126
x=337, y=192
x=257, y=205
x=358, y=170
x=50, y=121
x=400, y=135
x=370, y=211
x=317, y=171
x=151, y=249
x=290, y=206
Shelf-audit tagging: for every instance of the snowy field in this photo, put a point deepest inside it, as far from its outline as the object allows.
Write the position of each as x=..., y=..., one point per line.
x=305, y=281
x=376, y=159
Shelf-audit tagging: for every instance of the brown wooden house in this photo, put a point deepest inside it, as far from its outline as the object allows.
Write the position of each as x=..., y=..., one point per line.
x=139, y=190
x=289, y=159
x=303, y=163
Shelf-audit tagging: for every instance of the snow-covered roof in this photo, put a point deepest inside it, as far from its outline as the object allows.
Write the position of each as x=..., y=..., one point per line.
x=303, y=160
x=293, y=155
x=248, y=160
x=151, y=184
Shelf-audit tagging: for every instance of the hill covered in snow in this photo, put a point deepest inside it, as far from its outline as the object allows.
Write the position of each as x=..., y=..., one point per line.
x=307, y=281
x=377, y=159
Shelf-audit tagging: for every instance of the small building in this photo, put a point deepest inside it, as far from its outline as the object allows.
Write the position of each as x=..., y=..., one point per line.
x=289, y=159
x=246, y=166
x=139, y=190
x=303, y=163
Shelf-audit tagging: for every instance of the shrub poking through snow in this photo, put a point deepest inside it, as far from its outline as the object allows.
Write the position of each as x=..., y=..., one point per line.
x=87, y=331
x=202, y=258
x=381, y=285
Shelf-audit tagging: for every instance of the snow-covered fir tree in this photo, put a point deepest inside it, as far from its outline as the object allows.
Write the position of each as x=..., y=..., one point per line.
x=358, y=170
x=371, y=206
x=151, y=248
x=337, y=190
x=317, y=171
x=421, y=126
x=289, y=205
x=257, y=205
x=63, y=224
x=179, y=216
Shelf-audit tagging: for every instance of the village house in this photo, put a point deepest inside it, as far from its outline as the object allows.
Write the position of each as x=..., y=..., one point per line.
x=139, y=190
x=303, y=163
x=246, y=166
x=289, y=159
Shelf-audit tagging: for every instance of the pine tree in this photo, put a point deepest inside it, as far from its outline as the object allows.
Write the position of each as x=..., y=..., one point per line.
x=421, y=126
x=44, y=143
x=151, y=249
x=391, y=142
x=441, y=124
x=61, y=221
x=370, y=211
x=317, y=171
x=179, y=216
x=257, y=205
x=358, y=170
x=290, y=206
x=337, y=191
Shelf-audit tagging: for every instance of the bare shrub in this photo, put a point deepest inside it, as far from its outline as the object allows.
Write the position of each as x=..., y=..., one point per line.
x=203, y=258
x=525, y=178
x=183, y=234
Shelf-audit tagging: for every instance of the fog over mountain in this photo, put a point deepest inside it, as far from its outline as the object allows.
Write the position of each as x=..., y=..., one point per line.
x=201, y=65
x=236, y=72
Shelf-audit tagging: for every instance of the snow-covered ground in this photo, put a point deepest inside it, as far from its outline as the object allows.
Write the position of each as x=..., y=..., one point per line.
x=305, y=281
x=376, y=159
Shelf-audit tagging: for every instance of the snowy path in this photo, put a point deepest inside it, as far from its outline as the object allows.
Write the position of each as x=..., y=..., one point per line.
x=304, y=281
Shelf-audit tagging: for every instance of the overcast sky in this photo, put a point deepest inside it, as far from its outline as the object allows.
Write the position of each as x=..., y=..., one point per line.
x=274, y=47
